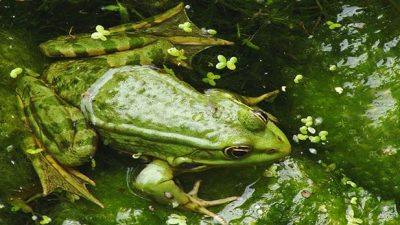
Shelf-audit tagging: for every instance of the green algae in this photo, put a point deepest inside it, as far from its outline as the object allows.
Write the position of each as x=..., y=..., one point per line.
x=293, y=38
x=363, y=120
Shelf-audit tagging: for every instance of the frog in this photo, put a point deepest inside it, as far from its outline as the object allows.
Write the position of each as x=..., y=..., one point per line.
x=113, y=91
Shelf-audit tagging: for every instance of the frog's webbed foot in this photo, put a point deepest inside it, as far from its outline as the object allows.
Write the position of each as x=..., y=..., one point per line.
x=52, y=176
x=201, y=205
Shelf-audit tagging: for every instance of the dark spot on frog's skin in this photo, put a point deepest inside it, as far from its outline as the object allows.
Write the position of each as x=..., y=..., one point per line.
x=133, y=59
x=136, y=42
x=168, y=195
x=80, y=50
x=157, y=55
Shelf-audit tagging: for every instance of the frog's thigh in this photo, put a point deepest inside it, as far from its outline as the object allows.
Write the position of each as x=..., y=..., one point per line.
x=60, y=127
x=156, y=180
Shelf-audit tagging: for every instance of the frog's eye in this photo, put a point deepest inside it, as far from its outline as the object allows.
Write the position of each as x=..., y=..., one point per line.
x=261, y=115
x=237, y=152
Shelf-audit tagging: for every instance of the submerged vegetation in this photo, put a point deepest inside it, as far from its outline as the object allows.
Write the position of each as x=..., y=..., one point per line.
x=336, y=63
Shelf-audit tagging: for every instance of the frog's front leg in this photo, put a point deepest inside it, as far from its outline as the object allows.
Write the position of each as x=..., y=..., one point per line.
x=157, y=181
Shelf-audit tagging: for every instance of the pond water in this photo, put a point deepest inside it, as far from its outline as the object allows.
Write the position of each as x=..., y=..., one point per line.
x=348, y=55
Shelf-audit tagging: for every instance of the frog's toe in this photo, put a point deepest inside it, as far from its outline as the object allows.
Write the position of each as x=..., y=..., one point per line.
x=200, y=205
x=193, y=195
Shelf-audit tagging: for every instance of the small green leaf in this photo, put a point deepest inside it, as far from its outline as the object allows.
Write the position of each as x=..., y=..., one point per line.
x=179, y=54
x=112, y=8
x=303, y=129
x=315, y=139
x=45, y=220
x=212, y=31
x=100, y=33
x=298, y=78
x=210, y=78
x=302, y=137
x=250, y=44
x=186, y=27
x=15, y=72
x=34, y=151
x=231, y=63
x=333, y=25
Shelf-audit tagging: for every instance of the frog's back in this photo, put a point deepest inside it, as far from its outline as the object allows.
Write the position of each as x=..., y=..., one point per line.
x=140, y=100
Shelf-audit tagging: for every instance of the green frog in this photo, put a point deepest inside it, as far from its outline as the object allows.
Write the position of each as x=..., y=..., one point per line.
x=112, y=92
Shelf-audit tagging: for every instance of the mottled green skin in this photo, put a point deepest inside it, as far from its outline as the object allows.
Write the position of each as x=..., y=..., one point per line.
x=141, y=110
x=61, y=128
x=65, y=79
x=84, y=45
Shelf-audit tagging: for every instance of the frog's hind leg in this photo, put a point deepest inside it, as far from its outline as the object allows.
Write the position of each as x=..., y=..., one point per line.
x=59, y=138
x=167, y=26
x=149, y=22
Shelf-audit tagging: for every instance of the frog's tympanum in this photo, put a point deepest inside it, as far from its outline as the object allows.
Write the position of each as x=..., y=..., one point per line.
x=113, y=96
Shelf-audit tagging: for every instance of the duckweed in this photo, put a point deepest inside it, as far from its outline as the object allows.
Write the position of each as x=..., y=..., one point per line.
x=100, y=33
x=187, y=27
x=45, y=220
x=178, y=53
x=211, y=31
x=333, y=25
x=230, y=64
x=34, y=151
x=15, y=72
x=210, y=78
x=298, y=78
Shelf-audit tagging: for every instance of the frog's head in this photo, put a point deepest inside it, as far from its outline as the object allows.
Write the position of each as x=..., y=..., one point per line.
x=243, y=135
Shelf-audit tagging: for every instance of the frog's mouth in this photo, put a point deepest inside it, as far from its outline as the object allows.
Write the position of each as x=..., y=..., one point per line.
x=198, y=162
x=193, y=167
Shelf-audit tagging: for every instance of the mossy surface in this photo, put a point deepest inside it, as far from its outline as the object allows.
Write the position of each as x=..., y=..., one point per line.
x=275, y=41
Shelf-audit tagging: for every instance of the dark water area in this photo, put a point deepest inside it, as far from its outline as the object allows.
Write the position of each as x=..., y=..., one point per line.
x=348, y=55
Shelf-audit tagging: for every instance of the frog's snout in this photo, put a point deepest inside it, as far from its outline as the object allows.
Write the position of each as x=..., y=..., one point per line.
x=284, y=145
x=286, y=150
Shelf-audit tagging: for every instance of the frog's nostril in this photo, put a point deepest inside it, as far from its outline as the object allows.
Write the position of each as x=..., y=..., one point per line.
x=271, y=151
x=280, y=138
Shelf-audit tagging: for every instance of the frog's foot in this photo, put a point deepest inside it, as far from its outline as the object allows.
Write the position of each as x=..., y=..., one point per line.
x=52, y=176
x=193, y=195
x=268, y=97
x=200, y=205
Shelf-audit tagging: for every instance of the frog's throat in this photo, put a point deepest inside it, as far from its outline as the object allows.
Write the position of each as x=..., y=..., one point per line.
x=130, y=129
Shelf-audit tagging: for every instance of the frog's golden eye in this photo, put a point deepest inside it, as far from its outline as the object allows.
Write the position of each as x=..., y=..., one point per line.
x=261, y=115
x=237, y=152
